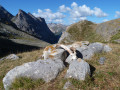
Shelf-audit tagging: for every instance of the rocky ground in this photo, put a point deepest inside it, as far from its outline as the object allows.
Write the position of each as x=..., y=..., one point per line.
x=104, y=75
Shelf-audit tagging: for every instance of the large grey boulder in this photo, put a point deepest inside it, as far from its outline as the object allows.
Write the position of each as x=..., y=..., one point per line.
x=78, y=70
x=87, y=53
x=97, y=47
x=41, y=69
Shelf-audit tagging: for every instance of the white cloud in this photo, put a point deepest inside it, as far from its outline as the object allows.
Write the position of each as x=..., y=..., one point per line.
x=74, y=4
x=74, y=12
x=105, y=20
x=64, y=9
x=82, y=12
x=49, y=16
x=99, y=13
x=117, y=14
x=83, y=18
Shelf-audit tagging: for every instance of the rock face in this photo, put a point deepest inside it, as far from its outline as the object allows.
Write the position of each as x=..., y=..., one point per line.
x=41, y=69
x=109, y=28
x=78, y=70
x=34, y=26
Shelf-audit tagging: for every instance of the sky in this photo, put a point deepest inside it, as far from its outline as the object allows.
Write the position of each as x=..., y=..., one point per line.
x=66, y=11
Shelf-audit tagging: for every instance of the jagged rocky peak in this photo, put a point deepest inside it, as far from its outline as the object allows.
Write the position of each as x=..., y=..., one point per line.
x=4, y=13
x=5, y=16
x=34, y=26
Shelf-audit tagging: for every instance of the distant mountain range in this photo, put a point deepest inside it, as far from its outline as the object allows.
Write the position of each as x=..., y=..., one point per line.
x=26, y=22
x=57, y=28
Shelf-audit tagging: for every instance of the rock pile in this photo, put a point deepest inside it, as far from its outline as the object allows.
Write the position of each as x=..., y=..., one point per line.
x=55, y=57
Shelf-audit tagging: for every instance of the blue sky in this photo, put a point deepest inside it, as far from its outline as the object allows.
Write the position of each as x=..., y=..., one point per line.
x=66, y=11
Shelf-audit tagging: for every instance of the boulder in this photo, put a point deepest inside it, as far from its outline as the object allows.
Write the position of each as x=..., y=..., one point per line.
x=70, y=59
x=97, y=47
x=59, y=54
x=78, y=69
x=87, y=53
x=41, y=69
x=107, y=48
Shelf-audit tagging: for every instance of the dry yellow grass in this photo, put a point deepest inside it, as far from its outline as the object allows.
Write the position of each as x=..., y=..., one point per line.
x=105, y=77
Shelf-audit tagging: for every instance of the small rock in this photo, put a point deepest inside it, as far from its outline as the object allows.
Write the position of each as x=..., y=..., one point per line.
x=12, y=57
x=78, y=70
x=102, y=60
x=67, y=85
x=107, y=48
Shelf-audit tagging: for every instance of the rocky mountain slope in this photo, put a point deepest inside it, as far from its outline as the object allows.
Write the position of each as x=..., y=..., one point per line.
x=34, y=26
x=110, y=30
x=13, y=39
x=83, y=30
x=57, y=29
x=86, y=30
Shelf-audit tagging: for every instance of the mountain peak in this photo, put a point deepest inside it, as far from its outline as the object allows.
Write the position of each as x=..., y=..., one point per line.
x=34, y=26
x=5, y=16
x=2, y=8
x=21, y=12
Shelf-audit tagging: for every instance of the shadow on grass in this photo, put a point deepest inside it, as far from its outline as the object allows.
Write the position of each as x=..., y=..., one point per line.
x=8, y=47
x=92, y=69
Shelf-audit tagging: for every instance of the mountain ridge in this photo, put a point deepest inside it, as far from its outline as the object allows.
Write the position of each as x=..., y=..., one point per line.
x=87, y=30
x=34, y=26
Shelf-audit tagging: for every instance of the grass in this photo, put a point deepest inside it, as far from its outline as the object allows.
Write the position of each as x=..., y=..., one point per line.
x=83, y=31
x=115, y=37
x=104, y=77
x=26, y=83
